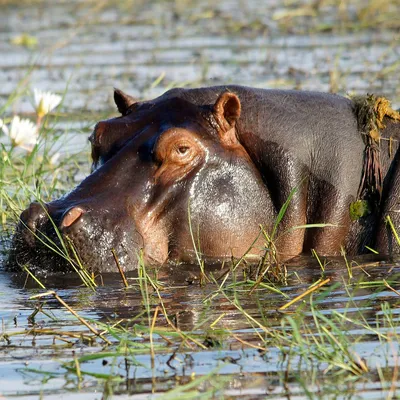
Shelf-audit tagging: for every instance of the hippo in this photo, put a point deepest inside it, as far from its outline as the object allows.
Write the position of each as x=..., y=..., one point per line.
x=196, y=173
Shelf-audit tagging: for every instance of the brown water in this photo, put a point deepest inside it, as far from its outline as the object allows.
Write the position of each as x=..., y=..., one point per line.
x=144, y=48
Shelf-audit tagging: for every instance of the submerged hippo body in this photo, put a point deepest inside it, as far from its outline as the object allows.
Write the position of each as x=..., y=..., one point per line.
x=199, y=170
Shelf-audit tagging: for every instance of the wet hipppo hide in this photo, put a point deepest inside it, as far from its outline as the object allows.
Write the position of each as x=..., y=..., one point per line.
x=202, y=169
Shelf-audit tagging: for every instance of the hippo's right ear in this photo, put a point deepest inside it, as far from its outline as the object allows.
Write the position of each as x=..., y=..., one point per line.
x=226, y=110
x=123, y=100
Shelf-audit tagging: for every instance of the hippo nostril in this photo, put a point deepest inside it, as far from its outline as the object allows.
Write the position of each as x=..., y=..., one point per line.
x=71, y=216
x=35, y=213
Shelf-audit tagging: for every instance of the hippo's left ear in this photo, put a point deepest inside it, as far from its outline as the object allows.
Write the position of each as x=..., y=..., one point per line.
x=123, y=100
x=226, y=111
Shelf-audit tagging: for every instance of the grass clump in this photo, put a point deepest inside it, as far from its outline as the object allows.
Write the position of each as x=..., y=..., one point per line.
x=33, y=164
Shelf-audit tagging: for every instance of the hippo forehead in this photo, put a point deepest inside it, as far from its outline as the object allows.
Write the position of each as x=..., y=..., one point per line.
x=173, y=109
x=146, y=121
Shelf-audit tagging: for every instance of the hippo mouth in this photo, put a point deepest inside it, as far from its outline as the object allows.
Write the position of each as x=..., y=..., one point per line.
x=72, y=240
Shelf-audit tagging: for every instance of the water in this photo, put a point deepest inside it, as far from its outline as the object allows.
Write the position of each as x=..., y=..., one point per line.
x=95, y=47
x=244, y=369
x=86, y=48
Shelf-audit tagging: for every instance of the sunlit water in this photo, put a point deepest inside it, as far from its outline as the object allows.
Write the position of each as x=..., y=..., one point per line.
x=144, y=48
x=250, y=371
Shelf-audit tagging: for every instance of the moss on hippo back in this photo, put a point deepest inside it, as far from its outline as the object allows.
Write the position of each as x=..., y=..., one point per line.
x=370, y=112
x=358, y=209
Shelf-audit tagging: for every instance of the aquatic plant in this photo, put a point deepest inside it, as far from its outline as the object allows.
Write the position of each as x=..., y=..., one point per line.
x=45, y=102
x=22, y=132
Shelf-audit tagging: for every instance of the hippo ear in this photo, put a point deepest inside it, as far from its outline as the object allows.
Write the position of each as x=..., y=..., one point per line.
x=123, y=100
x=227, y=110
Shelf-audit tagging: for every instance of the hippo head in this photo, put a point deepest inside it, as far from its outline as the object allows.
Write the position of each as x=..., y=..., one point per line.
x=169, y=178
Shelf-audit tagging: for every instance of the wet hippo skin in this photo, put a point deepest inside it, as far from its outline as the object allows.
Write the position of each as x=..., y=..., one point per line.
x=205, y=168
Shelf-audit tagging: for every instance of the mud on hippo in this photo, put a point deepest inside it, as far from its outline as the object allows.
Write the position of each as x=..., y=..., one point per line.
x=210, y=165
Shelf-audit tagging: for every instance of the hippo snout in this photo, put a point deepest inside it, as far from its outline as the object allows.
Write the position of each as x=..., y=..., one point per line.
x=59, y=237
x=31, y=220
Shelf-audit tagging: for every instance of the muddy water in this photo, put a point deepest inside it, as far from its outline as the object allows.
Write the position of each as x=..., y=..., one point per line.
x=86, y=48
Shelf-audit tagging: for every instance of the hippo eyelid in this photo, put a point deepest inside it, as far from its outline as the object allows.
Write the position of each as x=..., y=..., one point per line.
x=173, y=138
x=182, y=149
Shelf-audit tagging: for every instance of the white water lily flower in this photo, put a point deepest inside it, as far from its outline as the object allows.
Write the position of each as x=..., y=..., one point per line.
x=22, y=132
x=45, y=102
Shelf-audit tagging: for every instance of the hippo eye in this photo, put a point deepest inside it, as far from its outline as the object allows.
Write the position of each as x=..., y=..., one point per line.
x=182, y=150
